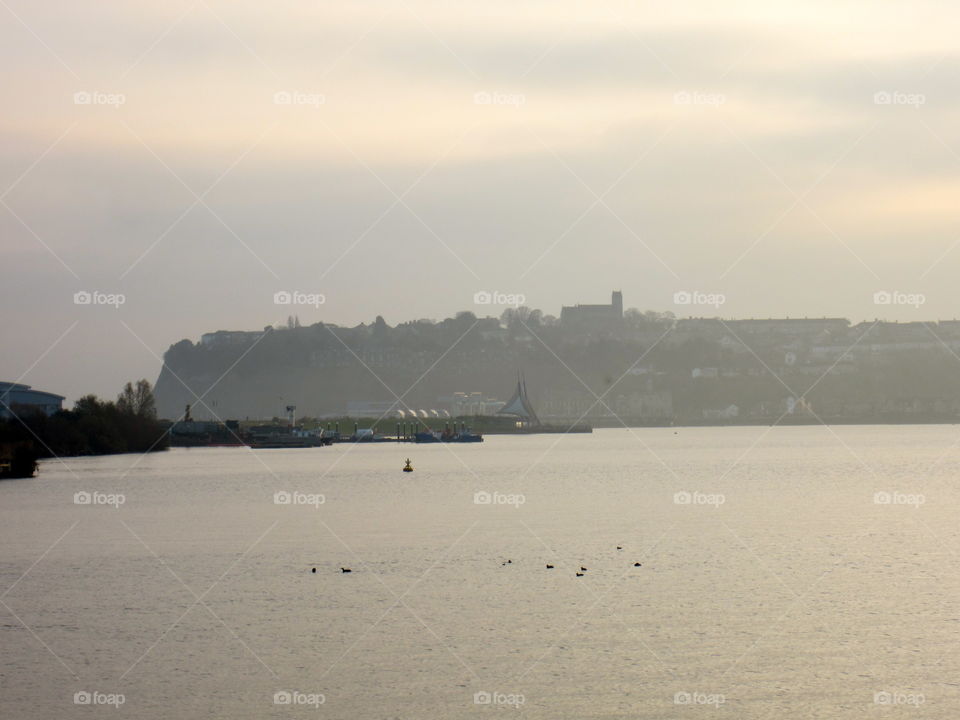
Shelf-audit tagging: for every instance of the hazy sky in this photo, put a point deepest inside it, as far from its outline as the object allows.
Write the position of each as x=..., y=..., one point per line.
x=796, y=157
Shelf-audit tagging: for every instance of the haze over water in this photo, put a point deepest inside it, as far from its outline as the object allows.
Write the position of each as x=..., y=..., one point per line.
x=786, y=572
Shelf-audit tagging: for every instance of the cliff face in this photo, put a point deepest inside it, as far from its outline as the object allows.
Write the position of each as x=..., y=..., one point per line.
x=321, y=368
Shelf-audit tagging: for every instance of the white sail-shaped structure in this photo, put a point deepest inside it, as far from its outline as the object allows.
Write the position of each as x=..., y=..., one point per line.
x=519, y=405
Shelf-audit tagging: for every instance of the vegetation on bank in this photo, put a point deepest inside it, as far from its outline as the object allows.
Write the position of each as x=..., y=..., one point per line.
x=93, y=427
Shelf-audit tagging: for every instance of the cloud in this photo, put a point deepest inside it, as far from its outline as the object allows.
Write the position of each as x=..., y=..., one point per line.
x=508, y=188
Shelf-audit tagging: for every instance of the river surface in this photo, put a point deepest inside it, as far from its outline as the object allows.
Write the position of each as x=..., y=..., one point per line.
x=806, y=572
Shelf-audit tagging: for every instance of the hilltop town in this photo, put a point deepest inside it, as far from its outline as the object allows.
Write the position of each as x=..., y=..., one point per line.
x=598, y=362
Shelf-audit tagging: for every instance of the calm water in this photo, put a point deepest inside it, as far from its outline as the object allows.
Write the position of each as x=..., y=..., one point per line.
x=777, y=583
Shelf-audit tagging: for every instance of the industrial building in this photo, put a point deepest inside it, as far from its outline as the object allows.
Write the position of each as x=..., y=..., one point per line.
x=14, y=396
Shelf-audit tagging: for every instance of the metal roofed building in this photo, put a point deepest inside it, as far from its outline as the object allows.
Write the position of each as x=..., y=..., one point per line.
x=13, y=395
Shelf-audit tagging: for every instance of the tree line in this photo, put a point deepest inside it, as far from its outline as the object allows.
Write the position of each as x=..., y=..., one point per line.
x=92, y=427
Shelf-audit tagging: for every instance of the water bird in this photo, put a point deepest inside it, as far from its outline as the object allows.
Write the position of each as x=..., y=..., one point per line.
x=408, y=467
x=637, y=565
x=345, y=570
x=549, y=567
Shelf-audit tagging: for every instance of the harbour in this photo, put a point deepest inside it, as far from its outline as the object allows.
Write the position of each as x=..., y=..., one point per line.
x=515, y=417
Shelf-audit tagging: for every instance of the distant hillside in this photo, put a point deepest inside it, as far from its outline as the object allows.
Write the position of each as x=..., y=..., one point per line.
x=322, y=368
x=647, y=367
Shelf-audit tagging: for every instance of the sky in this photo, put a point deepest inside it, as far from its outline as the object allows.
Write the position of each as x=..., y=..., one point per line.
x=177, y=164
